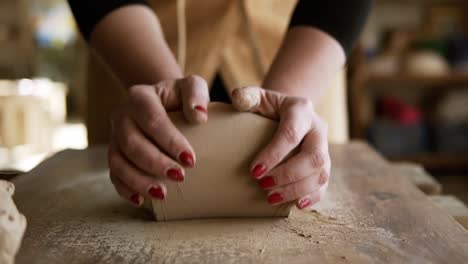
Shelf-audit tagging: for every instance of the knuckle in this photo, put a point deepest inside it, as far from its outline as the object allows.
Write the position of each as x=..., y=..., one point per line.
x=288, y=176
x=161, y=89
x=153, y=163
x=317, y=159
x=195, y=80
x=133, y=181
x=303, y=106
x=323, y=177
x=304, y=103
x=130, y=144
x=189, y=81
x=273, y=157
x=291, y=135
x=154, y=120
x=294, y=191
x=173, y=143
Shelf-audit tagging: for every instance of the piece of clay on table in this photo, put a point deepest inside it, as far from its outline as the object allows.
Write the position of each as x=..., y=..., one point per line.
x=220, y=185
x=12, y=224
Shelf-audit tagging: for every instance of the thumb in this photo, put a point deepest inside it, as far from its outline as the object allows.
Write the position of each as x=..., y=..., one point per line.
x=258, y=100
x=195, y=98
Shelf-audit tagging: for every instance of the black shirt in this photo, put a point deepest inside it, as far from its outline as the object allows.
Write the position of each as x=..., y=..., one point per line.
x=342, y=19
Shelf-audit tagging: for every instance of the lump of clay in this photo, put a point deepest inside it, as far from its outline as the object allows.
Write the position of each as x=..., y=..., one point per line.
x=12, y=224
x=220, y=185
x=426, y=63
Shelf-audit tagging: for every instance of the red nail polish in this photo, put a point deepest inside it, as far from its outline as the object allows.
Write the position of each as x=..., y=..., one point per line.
x=187, y=159
x=235, y=93
x=201, y=109
x=275, y=198
x=135, y=198
x=156, y=192
x=175, y=174
x=304, y=203
x=267, y=182
x=258, y=170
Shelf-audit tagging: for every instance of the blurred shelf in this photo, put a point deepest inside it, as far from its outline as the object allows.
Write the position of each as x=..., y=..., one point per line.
x=449, y=79
x=437, y=161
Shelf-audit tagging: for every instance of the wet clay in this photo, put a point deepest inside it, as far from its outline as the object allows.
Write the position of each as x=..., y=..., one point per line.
x=12, y=224
x=220, y=185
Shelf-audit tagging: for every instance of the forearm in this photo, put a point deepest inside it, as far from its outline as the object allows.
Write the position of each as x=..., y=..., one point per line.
x=305, y=65
x=321, y=35
x=130, y=41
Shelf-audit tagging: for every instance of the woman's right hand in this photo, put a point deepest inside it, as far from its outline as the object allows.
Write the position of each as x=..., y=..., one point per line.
x=145, y=146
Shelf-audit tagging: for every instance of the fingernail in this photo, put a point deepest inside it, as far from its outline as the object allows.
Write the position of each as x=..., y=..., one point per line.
x=258, y=170
x=201, y=109
x=175, y=174
x=304, y=203
x=187, y=159
x=267, y=182
x=275, y=198
x=235, y=93
x=156, y=192
x=323, y=178
x=135, y=198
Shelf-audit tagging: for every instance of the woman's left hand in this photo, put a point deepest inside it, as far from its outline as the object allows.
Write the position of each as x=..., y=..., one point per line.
x=303, y=177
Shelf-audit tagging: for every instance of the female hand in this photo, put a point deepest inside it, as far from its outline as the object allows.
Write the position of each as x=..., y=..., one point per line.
x=145, y=146
x=303, y=177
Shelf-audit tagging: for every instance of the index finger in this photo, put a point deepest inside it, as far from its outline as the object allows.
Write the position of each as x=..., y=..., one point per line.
x=150, y=115
x=291, y=130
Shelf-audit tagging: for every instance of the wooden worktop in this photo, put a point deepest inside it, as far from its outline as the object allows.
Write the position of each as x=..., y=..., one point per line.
x=370, y=215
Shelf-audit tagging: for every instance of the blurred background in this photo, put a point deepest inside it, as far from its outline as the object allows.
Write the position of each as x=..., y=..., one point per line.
x=407, y=82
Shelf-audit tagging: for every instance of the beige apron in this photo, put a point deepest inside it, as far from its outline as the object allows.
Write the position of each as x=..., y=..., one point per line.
x=236, y=38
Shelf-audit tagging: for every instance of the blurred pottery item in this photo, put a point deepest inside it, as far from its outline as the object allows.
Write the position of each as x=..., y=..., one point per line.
x=426, y=63
x=452, y=108
x=30, y=112
x=397, y=110
x=384, y=65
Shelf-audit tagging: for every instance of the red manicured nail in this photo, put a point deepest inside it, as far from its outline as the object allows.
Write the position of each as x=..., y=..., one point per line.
x=135, y=198
x=235, y=93
x=156, y=192
x=275, y=198
x=258, y=170
x=175, y=174
x=201, y=109
x=267, y=182
x=304, y=203
x=187, y=159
